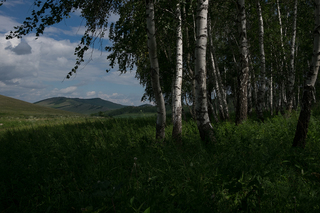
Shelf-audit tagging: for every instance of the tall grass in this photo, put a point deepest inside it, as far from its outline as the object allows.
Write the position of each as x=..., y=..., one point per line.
x=115, y=165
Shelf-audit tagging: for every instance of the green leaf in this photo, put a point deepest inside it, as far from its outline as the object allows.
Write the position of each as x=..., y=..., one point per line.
x=131, y=200
x=147, y=210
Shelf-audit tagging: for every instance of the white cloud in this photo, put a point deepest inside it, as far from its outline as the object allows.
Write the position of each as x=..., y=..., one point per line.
x=91, y=93
x=121, y=98
x=68, y=89
x=7, y=24
x=123, y=79
x=12, y=3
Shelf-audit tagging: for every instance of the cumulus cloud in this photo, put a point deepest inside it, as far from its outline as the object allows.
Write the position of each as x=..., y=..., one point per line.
x=23, y=48
x=68, y=89
x=123, y=79
x=7, y=23
x=91, y=93
x=131, y=99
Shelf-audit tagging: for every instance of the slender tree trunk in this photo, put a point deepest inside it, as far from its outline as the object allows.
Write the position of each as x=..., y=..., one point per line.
x=308, y=93
x=154, y=71
x=271, y=91
x=189, y=67
x=298, y=95
x=222, y=89
x=177, y=105
x=262, y=87
x=249, y=94
x=242, y=100
x=252, y=76
x=214, y=72
x=283, y=97
x=211, y=110
x=291, y=77
x=224, y=92
x=203, y=122
x=194, y=75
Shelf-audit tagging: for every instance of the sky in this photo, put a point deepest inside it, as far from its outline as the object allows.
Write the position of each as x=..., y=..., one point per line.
x=35, y=69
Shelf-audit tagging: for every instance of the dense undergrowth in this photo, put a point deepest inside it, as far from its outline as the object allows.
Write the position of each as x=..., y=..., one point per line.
x=115, y=165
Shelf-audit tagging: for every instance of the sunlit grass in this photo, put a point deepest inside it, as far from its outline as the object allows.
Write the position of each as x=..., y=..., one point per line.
x=27, y=122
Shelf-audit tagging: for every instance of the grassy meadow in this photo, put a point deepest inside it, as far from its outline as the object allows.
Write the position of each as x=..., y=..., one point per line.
x=115, y=165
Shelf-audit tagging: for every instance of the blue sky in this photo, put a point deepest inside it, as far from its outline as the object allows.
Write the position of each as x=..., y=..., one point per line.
x=35, y=69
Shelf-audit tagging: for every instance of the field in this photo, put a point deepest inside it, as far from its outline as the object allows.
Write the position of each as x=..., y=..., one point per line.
x=115, y=165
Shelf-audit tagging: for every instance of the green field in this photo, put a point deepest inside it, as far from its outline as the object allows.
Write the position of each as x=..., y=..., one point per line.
x=136, y=115
x=115, y=165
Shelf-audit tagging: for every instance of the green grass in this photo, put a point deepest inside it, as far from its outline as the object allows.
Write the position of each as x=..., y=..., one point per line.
x=135, y=115
x=115, y=165
x=29, y=122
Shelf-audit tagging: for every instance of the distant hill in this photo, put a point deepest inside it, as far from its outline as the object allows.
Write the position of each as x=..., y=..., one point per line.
x=83, y=106
x=14, y=107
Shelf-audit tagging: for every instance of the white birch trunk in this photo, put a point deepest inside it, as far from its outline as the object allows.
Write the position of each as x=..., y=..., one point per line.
x=283, y=97
x=222, y=87
x=308, y=93
x=262, y=87
x=152, y=48
x=215, y=75
x=177, y=105
x=242, y=99
x=203, y=122
x=291, y=77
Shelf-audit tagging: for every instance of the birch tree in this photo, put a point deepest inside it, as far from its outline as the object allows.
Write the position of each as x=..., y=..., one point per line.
x=154, y=70
x=214, y=72
x=262, y=87
x=177, y=105
x=201, y=106
x=309, y=89
x=242, y=96
x=291, y=77
x=283, y=97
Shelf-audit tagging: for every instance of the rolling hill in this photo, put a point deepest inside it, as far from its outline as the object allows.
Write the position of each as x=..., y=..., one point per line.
x=14, y=107
x=83, y=106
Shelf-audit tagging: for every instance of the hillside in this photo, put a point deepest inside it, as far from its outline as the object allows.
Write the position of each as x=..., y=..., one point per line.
x=83, y=106
x=15, y=107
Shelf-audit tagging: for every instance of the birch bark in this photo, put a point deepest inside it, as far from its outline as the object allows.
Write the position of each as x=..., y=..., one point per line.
x=177, y=105
x=283, y=97
x=154, y=71
x=262, y=87
x=222, y=88
x=242, y=99
x=214, y=72
x=203, y=122
x=308, y=93
x=291, y=77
